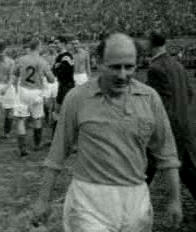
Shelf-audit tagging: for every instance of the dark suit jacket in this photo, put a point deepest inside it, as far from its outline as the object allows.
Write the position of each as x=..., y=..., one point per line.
x=169, y=78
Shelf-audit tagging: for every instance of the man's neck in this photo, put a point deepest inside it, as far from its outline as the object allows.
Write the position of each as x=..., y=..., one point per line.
x=107, y=92
x=35, y=52
x=158, y=51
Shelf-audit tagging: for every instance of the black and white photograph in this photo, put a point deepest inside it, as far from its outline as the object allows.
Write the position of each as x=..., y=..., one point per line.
x=97, y=115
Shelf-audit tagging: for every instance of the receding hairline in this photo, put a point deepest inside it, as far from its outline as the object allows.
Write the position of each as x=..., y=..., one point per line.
x=119, y=39
x=101, y=48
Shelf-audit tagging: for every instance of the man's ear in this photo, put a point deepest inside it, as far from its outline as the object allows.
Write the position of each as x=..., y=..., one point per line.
x=100, y=67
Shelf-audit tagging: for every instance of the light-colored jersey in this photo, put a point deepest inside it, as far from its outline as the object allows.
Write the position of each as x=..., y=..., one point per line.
x=82, y=62
x=6, y=69
x=32, y=70
x=50, y=59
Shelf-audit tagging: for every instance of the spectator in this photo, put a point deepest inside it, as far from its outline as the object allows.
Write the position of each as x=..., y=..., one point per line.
x=169, y=78
x=7, y=90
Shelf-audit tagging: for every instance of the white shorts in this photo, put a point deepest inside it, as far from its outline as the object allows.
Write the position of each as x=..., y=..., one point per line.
x=96, y=208
x=50, y=90
x=29, y=103
x=80, y=78
x=8, y=99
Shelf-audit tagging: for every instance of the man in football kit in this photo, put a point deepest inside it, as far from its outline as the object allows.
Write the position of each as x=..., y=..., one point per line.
x=82, y=70
x=32, y=69
x=112, y=120
x=50, y=89
x=7, y=91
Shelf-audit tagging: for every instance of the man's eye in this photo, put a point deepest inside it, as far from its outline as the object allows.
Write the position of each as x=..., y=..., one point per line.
x=129, y=66
x=115, y=67
x=119, y=67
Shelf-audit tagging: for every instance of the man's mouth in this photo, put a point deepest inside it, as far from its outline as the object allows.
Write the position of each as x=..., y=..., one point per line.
x=120, y=84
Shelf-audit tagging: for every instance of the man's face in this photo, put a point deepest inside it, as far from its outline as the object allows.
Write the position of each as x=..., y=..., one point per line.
x=118, y=68
x=52, y=48
x=76, y=45
x=59, y=45
x=69, y=47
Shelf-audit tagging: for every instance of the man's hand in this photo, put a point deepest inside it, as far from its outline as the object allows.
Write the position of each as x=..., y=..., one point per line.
x=40, y=212
x=175, y=215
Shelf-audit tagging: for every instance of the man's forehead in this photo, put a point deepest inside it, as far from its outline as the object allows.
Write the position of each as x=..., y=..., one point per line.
x=120, y=49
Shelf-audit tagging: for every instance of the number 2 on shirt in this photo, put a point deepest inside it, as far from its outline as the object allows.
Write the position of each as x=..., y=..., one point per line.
x=30, y=70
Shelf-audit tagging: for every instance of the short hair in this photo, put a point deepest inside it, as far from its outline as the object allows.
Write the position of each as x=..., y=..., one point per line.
x=34, y=44
x=102, y=45
x=157, y=39
x=2, y=45
x=64, y=38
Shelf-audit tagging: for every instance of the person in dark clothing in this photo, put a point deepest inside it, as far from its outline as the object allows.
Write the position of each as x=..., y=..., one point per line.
x=63, y=69
x=168, y=77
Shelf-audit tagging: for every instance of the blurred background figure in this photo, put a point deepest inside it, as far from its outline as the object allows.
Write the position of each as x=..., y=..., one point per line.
x=7, y=90
x=82, y=69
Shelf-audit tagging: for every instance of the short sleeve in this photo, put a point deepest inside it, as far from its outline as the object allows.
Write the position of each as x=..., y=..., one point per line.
x=162, y=143
x=66, y=134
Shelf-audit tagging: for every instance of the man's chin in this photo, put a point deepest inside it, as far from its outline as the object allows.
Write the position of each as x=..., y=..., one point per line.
x=115, y=92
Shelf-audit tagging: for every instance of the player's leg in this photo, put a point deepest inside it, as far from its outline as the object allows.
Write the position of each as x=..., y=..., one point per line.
x=37, y=133
x=8, y=104
x=37, y=113
x=47, y=110
x=46, y=92
x=53, y=95
x=8, y=122
x=21, y=114
x=22, y=136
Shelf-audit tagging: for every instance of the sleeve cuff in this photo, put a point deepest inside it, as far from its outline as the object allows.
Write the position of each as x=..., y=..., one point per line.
x=167, y=165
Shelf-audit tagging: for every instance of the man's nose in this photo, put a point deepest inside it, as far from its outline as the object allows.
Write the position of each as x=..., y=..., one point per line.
x=122, y=73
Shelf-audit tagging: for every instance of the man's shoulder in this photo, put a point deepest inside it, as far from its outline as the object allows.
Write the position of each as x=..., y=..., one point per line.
x=9, y=60
x=141, y=88
x=83, y=91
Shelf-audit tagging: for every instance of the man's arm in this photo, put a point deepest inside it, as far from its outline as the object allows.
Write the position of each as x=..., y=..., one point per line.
x=171, y=176
x=162, y=146
x=48, y=74
x=64, y=139
x=174, y=208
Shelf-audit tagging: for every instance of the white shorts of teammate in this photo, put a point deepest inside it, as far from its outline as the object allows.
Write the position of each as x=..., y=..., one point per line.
x=91, y=207
x=50, y=90
x=8, y=99
x=29, y=103
x=80, y=78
